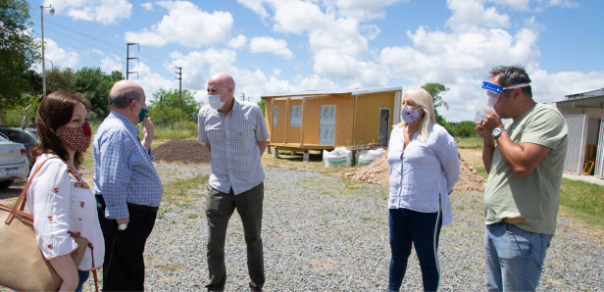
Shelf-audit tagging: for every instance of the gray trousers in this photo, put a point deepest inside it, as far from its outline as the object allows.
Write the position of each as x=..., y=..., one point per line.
x=219, y=208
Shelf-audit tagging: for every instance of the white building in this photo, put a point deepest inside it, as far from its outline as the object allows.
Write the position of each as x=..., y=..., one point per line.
x=584, y=114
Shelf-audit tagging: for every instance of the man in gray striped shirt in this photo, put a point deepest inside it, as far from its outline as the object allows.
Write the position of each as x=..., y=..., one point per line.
x=235, y=134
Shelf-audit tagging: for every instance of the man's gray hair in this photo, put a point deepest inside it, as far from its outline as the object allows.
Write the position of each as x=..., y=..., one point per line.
x=512, y=75
x=123, y=98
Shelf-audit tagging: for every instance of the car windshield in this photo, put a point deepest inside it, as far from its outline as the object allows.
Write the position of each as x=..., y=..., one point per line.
x=3, y=139
x=32, y=131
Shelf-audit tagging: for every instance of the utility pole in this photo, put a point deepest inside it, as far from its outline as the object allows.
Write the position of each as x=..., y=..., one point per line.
x=128, y=60
x=243, y=96
x=179, y=78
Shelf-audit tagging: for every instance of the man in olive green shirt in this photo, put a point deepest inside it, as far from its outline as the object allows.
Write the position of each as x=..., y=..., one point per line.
x=525, y=168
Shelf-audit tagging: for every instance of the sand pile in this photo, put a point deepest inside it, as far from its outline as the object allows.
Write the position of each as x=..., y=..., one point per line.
x=379, y=173
x=186, y=151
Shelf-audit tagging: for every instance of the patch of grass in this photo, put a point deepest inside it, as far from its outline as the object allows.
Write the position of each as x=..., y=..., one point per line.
x=469, y=143
x=177, y=191
x=583, y=200
x=480, y=170
x=193, y=216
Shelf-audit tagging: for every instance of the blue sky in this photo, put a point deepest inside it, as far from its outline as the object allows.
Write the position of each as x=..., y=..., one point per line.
x=273, y=46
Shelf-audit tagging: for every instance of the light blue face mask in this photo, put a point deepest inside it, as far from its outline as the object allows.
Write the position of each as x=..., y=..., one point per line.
x=409, y=115
x=215, y=101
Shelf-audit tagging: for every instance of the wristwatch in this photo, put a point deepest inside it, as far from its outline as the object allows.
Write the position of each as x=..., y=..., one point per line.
x=497, y=132
x=122, y=226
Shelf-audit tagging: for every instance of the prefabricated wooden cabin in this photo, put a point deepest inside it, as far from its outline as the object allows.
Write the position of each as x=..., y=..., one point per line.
x=325, y=119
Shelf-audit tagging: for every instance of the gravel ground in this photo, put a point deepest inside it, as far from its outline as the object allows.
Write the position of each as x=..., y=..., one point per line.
x=320, y=235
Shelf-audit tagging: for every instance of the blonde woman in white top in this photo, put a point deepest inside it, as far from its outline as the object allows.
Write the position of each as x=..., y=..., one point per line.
x=424, y=167
x=60, y=201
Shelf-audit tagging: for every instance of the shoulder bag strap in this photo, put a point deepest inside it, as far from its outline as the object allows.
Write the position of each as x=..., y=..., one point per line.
x=21, y=199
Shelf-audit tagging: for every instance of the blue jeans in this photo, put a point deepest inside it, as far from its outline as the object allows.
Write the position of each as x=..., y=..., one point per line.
x=83, y=276
x=514, y=257
x=422, y=230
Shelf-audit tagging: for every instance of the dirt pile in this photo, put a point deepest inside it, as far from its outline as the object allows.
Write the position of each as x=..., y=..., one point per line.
x=379, y=173
x=469, y=180
x=186, y=151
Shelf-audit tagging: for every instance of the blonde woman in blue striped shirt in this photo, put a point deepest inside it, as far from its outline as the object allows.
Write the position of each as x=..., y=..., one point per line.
x=424, y=167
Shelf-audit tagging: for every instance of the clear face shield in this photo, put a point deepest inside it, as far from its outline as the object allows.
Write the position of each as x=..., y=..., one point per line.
x=493, y=93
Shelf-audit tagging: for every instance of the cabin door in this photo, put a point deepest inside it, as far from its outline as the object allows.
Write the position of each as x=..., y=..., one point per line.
x=384, y=120
x=327, y=125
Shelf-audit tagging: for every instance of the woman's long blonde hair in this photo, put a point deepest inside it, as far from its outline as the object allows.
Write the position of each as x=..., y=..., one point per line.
x=422, y=98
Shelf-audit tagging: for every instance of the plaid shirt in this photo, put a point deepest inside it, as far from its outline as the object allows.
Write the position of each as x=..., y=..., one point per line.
x=234, y=140
x=123, y=172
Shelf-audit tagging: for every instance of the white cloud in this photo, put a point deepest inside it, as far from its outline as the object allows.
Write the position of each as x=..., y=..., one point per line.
x=110, y=64
x=59, y=57
x=334, y=36
x=470, y=14
x=145, y=37
x=148, y=6
x=186, y=25
x=365, y=9
x=103, y=11
x=516, y=4
x=203, y=64
x=238, y=42
x=277, y=72
x=364, y=74
x=151, y=81
x=255, y=5
x=371, y=30
x=270, y=45
x=564, y=3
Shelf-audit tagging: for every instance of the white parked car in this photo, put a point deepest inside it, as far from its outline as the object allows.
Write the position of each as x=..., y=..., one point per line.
x=13, y=162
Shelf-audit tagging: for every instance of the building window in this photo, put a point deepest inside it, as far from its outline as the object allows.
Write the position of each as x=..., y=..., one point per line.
x=327, y=124
x=296, y=116
x=275, y=115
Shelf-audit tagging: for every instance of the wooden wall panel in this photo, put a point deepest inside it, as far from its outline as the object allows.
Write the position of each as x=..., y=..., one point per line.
x=344, y=119
x=279, y=130
x=368, y=116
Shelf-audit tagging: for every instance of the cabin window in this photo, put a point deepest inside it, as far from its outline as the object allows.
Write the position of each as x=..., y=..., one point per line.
x=296, y=116
x=275, y=115
x=327, y=124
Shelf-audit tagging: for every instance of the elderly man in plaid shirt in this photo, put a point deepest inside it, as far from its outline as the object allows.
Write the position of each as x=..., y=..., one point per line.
x=235, y=134
x=127, y=187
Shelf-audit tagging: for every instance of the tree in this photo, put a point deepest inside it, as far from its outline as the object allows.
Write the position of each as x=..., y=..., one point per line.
x=18, y=51
x=95, y=85
x=262, y=105
x=437, y=90
x=164, y=106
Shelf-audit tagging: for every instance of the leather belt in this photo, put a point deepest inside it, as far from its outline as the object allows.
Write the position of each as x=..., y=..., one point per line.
x=514, y=220
x=144, y=208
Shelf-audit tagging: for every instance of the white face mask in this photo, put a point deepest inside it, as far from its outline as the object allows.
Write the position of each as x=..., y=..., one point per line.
x=215, y=101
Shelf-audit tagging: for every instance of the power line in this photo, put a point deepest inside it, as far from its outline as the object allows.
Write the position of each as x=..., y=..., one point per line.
x=64, y=27
x=80, y=41
x=110, y=44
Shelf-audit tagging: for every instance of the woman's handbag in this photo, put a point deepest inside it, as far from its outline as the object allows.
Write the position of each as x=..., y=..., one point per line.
x=23, y=267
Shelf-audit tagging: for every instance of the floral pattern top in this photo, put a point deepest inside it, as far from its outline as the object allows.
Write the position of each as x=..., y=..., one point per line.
x=61, y=201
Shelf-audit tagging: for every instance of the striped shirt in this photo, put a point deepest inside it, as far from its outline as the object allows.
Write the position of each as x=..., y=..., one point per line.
x=234, y=140
x=123, y=172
